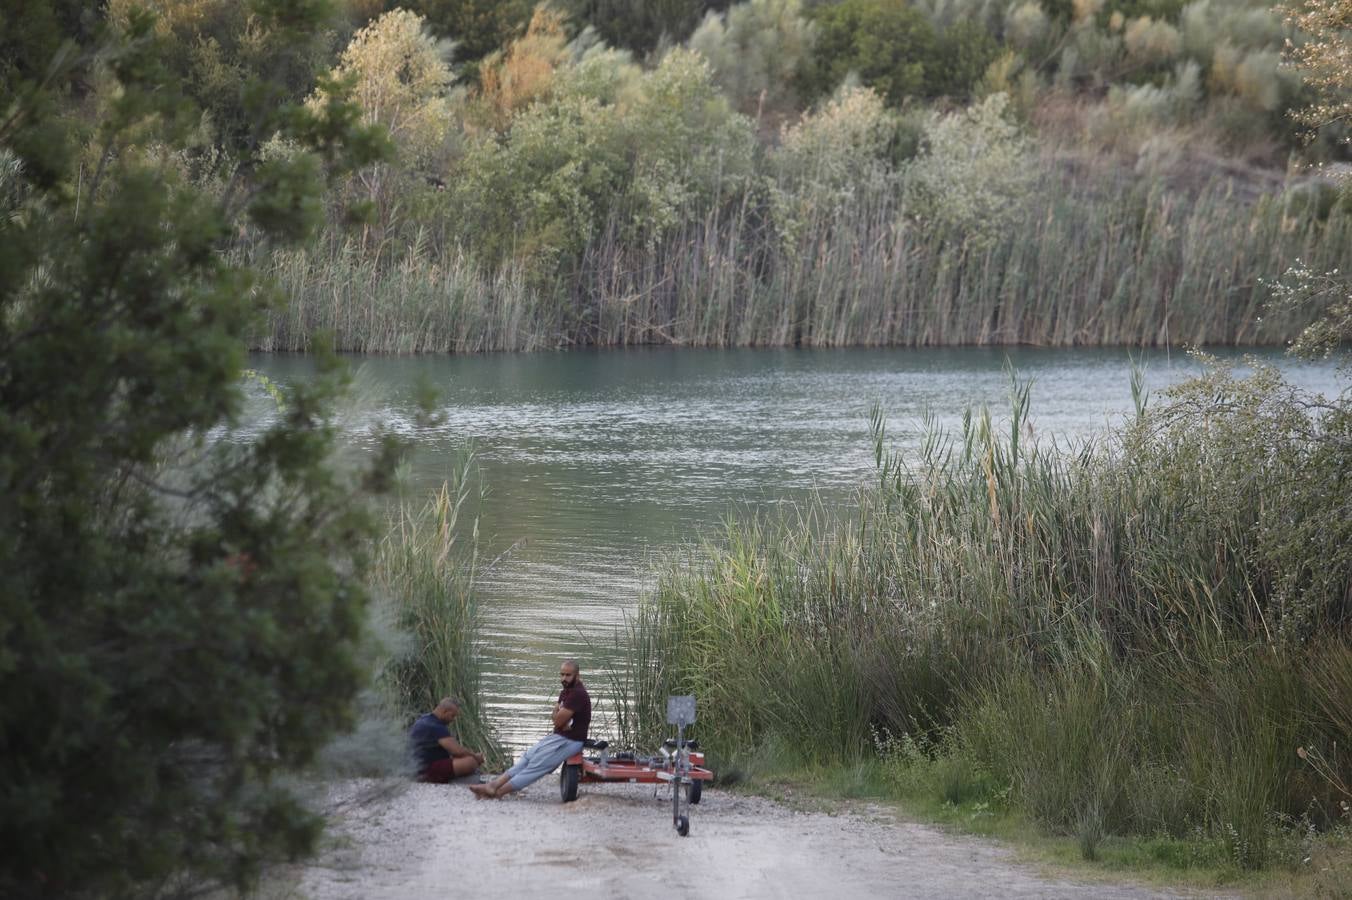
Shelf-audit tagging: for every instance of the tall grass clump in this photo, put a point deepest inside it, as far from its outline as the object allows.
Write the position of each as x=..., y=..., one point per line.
x=758, y=625
x=1131, y=636
x=425, y=571
x=418, y=303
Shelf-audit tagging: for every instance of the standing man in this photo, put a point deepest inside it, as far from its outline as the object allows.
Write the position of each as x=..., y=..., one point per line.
x=571, y=717
x=439, y=756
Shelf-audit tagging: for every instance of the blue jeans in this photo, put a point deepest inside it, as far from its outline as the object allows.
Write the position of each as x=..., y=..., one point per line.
x=540, y=760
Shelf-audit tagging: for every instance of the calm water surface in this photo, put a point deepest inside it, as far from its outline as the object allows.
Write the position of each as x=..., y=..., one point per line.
x=598, y=463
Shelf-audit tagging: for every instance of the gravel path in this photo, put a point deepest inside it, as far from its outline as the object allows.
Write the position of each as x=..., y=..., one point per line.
x=616, y=841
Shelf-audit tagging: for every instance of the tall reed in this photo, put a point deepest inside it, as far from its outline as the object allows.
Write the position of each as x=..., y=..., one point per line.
x=425, y=571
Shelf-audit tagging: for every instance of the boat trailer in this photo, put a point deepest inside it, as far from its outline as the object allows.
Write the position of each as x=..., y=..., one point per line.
x=680, y=764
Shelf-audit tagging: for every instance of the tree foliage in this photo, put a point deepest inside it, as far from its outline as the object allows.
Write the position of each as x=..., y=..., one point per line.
x=514, y=78
x=1325, y=59
x=399, y=77
x=179, y=612
x=641, y=26
x=896, y=49
x=974, y=168
x=236, y=62
x=610, y=144
x=478, y=27
x=755, y=50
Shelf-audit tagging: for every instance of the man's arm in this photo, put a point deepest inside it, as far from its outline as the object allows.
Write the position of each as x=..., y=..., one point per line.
x=561, y=716
x=455, y=748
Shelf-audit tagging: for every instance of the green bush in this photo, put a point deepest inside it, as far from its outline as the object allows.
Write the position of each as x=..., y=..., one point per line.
x=1063, y=739
x=641, y=26
x=590, y=156
x=181, y=610
x=755, y=49
x=478, y=27
x=972, y=174
x=888, y=45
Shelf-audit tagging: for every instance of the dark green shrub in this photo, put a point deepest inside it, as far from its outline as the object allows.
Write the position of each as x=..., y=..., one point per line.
x=965, y=50
x=888, y=45
x=640, y=25
x=180, y=614
x=478, y=27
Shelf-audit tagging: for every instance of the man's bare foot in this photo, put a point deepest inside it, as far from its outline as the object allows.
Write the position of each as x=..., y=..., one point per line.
x=482, y=791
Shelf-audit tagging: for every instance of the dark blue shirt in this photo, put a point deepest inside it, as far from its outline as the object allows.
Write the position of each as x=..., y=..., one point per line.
x=423, y=740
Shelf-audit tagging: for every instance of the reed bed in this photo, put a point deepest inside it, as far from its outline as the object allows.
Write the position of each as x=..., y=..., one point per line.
x=1130, y=263
x=425, y=571
x=415, y=305
x=1117, y=261
x=1113, y=635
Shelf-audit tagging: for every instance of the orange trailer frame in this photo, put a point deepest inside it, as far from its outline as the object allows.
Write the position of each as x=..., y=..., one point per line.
x=630, y=768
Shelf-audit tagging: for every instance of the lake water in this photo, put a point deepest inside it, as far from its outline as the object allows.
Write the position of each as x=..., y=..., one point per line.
x=596, y=463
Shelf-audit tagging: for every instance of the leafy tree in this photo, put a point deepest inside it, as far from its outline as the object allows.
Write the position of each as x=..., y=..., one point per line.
x=478, y=27
x=897, y=49
x=400, y=76
x=179, y=612
x=234, y=63
x=886, y=44
x=965, y=51
x=609, y=145
x=974, y=169
x=755, y=49
x=832, y=155
x=640, y=25
x=513, y=79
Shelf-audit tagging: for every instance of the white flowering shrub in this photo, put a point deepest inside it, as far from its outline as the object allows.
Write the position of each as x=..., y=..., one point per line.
x=974, y=169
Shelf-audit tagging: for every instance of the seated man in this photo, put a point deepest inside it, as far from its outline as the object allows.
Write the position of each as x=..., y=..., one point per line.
x=439, y=756
x=571, y=717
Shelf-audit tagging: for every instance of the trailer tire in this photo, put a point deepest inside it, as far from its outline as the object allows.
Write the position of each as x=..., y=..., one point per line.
x=682, y=825
x=696, y=789
x=568, y=778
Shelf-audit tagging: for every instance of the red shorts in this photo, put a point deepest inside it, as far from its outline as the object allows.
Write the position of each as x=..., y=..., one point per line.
x=439, y=772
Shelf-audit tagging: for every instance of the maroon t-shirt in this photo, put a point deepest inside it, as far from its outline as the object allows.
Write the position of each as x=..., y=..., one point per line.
x=576, y=699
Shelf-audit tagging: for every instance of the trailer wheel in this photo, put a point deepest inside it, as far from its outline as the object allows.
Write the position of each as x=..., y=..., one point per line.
x=568, y=778
x=696, y=789
x=682, y=825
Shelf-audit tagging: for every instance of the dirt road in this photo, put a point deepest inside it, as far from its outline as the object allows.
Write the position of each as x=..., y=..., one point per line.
x=616, y=841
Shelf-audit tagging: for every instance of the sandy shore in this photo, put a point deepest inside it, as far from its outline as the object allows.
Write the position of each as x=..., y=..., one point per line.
x=616, y=841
